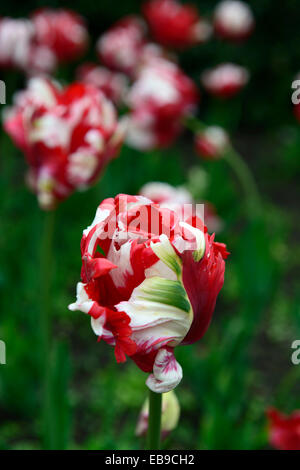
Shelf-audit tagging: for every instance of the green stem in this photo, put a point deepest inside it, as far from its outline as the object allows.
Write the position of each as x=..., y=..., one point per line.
x=240, y=168
x=246, y=180
x=45, y=323
x=154, y=424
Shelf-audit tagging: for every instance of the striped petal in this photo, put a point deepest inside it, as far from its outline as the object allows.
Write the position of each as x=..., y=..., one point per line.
x=167, y=373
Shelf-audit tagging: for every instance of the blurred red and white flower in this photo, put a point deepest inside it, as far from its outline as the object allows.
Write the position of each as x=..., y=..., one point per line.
x=233, y=20
x=149, y=283
x=225, y=80
x=211, y=143
x=159, y=99
x=62, y=31
x=121, y=46
x=67, y=135
x=170, y=413
x=113, y=85
x=175, y=25
x=284, y=431
x=19, y=48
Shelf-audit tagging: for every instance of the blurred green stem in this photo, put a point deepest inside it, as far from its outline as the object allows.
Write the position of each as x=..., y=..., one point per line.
x=246, y=180
x=154, y=424
x=45, y=319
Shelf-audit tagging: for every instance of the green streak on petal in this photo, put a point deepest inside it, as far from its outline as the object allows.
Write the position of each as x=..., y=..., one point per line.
x=165, y=291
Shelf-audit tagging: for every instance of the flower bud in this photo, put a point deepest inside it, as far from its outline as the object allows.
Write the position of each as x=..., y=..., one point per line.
x=211, y=143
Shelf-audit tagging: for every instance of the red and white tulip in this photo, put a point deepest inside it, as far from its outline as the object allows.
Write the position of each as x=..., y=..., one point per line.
x=38, y=44
x=149, y=282
x=160, y=97
x=67, y=136
x=284, y=431
x=20, y=49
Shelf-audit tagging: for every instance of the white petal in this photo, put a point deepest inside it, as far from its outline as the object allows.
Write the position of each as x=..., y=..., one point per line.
x=167, y=372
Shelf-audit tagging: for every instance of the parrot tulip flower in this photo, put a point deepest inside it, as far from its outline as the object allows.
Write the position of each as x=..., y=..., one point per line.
x=166, y=195
x=67, y=136
x=284, y=431
x=149, y=282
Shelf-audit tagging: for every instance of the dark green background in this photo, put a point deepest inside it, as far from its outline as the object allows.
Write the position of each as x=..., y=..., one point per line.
x=243, y=364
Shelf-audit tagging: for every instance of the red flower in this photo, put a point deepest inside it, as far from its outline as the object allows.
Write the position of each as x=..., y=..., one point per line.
x=150, y=281
x=62, y=31
x=67, y=135
x=175, y=25
x=225, y=80
x=284, y=431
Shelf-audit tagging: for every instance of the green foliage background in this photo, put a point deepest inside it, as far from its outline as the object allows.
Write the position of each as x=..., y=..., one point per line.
x=243, y=363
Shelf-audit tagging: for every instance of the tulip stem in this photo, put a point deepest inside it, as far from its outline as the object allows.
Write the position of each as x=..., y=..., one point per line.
x=45, y=322
x=153, y=441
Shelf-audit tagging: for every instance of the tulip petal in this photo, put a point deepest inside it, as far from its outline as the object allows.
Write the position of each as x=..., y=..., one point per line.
x=160, y=313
